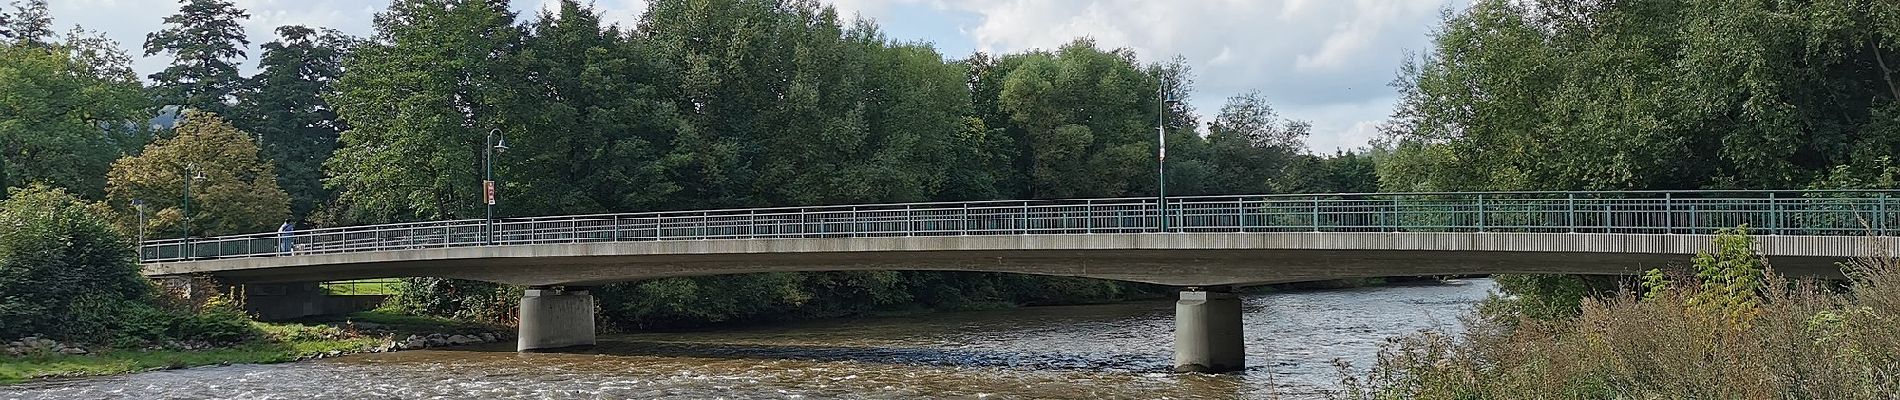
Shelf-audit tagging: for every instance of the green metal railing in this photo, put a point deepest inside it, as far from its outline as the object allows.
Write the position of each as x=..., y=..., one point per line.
x=1836, y=213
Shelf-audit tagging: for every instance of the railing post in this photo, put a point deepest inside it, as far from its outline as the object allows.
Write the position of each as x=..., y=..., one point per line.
x=1880, y=219
x=963, y=221
x=1393, y=222
x=1774, y=214
x=616, y=229
x=1088, y=216
x=1481, y=213
x=1023, y=227
x=1570, y=211
x=1669, y=213
x=1316, y=213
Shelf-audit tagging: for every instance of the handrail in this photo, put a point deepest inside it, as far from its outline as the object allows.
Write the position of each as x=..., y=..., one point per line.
x=1811, y=212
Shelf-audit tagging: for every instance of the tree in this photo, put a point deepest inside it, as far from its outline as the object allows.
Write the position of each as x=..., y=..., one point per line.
x=284, y=106
x=1646, y=95
x=65, y=270
x=237, y=193
x=420, y=99
x=204, y=39
x=30, y=25
x=67, y=109
x=599, y=119
x=1078, y=114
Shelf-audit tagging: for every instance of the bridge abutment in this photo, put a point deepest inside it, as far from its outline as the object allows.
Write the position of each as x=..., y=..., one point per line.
x=1207, y=331
x=555, y=318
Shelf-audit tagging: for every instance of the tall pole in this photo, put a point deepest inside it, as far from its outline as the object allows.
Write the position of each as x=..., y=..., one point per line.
x=139, y=204
x=189, y=250
x=488, y=182
x=1161, y=154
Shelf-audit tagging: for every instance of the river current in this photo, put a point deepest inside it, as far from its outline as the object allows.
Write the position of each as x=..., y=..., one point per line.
x=1107, y=351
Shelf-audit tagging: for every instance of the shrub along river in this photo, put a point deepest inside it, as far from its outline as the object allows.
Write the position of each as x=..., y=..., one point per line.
x=1082, y=352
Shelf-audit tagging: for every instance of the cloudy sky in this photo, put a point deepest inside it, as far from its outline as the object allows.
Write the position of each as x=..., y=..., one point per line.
x=1325, y=61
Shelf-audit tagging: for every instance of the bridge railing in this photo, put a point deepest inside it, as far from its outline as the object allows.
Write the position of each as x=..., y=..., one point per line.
x=1654, y=212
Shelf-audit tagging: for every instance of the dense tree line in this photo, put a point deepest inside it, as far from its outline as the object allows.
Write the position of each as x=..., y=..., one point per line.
x=1648, y=94
x=701, y=104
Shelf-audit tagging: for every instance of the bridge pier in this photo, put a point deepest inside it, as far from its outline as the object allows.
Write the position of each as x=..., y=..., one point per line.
x=555, y=318
x=1207, y=331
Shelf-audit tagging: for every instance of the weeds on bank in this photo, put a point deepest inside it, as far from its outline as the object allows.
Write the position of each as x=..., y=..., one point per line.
x=1729, y=329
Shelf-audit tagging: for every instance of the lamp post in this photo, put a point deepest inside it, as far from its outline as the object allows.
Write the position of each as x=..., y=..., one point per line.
x=192, y=173
x=491, y=145
x=139, y=204
x=1161, y=154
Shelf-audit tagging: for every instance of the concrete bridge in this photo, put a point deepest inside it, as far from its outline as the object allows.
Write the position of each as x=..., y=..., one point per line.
x=1212, y=245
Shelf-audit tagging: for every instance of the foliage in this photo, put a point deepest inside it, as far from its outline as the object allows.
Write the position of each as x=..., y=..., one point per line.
x=689, y=302
x=64, y=108
x=1801, y=340
x=1731, y=276
x=420, y=98
x=455, y=298
x=65, y=271
x=204, y=38
x=237, y=193
x=29, y=25
x=283, y=105
x=1546, y=297
x=1565, y=95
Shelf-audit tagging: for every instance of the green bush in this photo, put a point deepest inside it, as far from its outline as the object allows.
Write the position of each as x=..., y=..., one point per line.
x=1732, y=330
x=64, y=271
x=67, y=274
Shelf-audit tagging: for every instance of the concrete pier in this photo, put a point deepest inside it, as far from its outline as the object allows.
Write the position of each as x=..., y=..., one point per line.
x=555, y=318
x=1207, y=332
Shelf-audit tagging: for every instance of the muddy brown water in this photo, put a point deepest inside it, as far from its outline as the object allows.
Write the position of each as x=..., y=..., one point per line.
x=1073, y=352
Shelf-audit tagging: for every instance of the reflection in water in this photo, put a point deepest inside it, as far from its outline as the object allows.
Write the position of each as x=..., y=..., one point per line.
x=1084, y=352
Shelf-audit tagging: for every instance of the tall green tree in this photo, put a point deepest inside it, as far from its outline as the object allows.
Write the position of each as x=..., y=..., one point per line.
x=600, y=117
x=1076, y=114
x=420, y=99
x=29, y=25
x=284, y=106
x=67, y=109
x=205, y=40
x=726, y=83
x=233, y=189
x=1564, y=94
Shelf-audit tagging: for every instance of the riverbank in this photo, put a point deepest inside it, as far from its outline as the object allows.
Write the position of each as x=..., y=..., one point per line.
x=363, y=332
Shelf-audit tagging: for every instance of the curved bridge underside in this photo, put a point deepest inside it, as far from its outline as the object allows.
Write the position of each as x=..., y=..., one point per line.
x=1181, y=259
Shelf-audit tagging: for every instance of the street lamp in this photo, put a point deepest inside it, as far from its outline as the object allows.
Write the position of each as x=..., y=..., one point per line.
x=192, y=173
x=491, y=145
x=139, y=204
x=1161, y=153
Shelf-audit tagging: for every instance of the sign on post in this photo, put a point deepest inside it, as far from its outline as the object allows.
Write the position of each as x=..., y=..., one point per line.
x=488, y=191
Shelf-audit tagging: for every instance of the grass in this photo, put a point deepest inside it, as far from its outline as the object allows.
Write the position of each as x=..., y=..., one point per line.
x=383, y=287
x=282, y=342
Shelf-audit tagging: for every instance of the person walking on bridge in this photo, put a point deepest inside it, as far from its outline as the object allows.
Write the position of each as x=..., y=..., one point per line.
x=284, y=239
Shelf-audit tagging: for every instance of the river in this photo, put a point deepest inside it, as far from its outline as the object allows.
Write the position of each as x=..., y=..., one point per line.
x=1070, y=352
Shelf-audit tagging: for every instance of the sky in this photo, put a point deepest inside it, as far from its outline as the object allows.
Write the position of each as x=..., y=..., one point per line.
x=1323, y=61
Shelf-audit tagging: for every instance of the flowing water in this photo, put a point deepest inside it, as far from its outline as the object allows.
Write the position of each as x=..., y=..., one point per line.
x=1074, y=352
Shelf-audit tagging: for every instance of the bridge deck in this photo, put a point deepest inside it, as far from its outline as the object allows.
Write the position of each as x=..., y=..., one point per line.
x=1208, y=240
